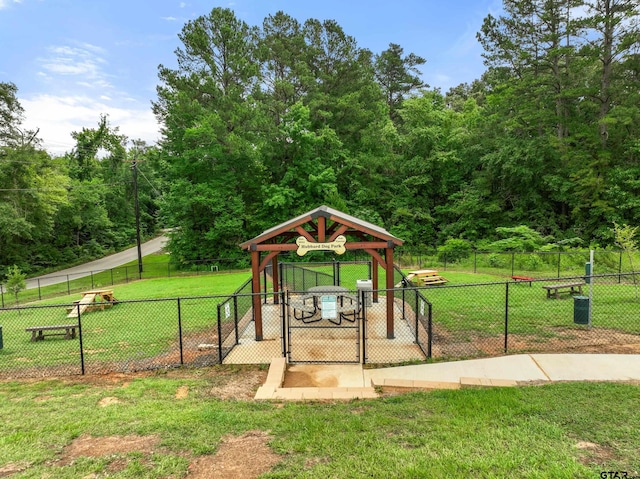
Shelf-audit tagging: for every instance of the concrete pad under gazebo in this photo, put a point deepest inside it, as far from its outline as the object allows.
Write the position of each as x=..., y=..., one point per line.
x=322, y=229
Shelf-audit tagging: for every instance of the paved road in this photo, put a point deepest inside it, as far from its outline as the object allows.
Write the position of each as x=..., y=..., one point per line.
x=108, y=262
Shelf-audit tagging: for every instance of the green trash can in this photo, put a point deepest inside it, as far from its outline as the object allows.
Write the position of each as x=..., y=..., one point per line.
x=581, y=309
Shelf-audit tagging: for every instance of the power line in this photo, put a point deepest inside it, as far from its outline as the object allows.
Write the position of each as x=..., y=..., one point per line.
x=154, y=188
x=70, y=187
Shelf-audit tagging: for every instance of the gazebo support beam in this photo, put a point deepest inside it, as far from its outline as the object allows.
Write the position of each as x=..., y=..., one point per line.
x=388, y=253
x=255, y=289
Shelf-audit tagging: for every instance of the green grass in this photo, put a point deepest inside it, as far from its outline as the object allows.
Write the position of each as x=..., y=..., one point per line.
x=528, y=432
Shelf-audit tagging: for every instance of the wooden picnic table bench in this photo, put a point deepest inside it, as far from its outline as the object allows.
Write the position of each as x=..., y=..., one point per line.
x=38, y=332
x=556, y=289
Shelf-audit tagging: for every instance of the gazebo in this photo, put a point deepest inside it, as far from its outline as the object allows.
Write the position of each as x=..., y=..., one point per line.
x=322, y=229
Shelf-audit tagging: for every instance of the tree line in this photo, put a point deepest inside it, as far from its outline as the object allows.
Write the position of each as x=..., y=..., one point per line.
x=263, y=122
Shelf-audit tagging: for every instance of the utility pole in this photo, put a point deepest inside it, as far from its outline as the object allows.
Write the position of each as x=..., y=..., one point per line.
x=134, y=167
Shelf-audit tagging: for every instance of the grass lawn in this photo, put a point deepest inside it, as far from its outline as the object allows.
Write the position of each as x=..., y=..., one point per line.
x=564, y=430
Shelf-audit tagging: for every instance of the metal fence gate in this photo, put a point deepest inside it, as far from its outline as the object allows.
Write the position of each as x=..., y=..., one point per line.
x=312, y=338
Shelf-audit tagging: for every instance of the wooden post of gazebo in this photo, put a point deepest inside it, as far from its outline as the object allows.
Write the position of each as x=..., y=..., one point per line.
x=388, y=255
x=255, y=289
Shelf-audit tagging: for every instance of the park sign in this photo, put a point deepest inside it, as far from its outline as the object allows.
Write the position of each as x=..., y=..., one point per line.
x=337, y=245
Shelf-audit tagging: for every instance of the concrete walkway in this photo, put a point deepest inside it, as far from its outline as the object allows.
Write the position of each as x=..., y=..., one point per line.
x=312, y=382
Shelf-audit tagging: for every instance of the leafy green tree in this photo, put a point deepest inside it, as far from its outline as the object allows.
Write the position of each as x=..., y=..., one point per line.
x=519, y=238
x=15, y=281
x=12, y=134
x=398, y=76
x=209, y=136
x=625, y=238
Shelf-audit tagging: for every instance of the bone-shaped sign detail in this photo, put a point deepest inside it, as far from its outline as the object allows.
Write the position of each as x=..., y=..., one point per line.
x=337, y=246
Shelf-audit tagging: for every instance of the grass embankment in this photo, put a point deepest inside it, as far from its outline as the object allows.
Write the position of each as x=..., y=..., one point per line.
x=570, y=430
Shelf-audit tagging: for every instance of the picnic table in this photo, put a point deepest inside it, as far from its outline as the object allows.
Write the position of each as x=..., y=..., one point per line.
x=571, y=288
x=39, y=332
x=96, y=299
x=325, y=302
x=427, y=277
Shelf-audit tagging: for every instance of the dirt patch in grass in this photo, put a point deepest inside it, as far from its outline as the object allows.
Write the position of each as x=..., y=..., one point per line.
x=237, y=382
x=88, y=446
x=594, y=454
x=241, y=457
x=14, y=468
x=238, y=457
x=467, y=344
x=108, y=401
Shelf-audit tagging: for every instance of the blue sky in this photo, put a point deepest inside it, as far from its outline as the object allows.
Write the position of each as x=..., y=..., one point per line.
x=73, y=60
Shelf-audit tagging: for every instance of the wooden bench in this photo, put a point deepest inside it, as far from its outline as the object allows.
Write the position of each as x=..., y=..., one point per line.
x=525, y=279
x=38, y=332
x=571, y=288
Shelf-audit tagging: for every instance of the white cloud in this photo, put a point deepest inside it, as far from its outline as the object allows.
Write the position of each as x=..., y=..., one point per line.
x=58, y=116
x=183, y=4
x=6, y=3
x=84, y=61
x=169, y=19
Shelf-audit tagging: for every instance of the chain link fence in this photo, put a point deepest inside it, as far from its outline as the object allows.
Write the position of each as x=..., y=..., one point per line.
x=546, y=315
x=538, y=264
x=338, y=323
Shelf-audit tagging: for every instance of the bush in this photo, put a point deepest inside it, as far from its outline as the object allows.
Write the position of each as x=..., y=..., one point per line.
x=495, y=260
x=532, y=262
x=454, y=250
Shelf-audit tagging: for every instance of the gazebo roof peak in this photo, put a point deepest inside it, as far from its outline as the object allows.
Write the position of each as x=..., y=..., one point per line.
x=330, y=214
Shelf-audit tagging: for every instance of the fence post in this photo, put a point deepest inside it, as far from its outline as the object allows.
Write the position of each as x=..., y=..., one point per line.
x=283, y=311
x=235, y=317
x=506, y=316
x=475, y=261
x=430, y=331
x=111, y=276
x=80, y=339
x=91, y=272
x=559, y=256
x=445, y=261
x=361, y=298
x=264, y=278
x=417, y=310
x=2, y=294
x=513, y=263
x=219, y=336
x=180, y=332
x=168, y=270
x=39, y=292
x=338, y=269
x=620, y=268
x=126, y=274
x=68, y=286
